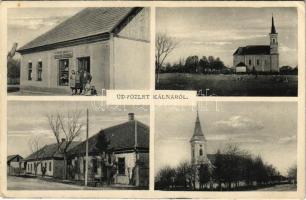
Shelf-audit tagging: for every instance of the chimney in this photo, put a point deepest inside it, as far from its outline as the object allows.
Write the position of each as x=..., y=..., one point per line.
x=63, y=140
x=131, y=116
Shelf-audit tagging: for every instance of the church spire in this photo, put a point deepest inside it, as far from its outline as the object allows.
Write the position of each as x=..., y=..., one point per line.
x=198, y=133
x=273, y=30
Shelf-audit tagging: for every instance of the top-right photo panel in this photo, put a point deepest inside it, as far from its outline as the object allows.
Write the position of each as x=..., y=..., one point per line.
x=227, y=51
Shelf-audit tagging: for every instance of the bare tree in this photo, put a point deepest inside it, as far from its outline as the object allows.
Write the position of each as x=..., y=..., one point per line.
x=67, y=128
x=38, y=151
x=292, y=174
x=164, y=45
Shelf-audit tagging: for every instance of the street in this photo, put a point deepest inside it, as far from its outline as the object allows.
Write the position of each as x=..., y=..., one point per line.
x=282, y=187
x=20, y=183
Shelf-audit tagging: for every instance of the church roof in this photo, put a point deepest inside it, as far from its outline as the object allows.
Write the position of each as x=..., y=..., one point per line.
x=88, y=22
x=198, y=133
x=253, y=50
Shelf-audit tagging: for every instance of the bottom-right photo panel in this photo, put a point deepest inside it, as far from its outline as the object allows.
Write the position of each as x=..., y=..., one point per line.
x=226, y=146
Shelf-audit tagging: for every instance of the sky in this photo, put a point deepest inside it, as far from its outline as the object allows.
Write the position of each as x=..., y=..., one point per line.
x=268, y=129
x=25, y=24
x=220, y=31
x=28, y=119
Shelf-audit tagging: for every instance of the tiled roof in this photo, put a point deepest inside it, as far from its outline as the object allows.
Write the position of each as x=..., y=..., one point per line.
x=120, y=137
x=49, y=151
x=11, y=157
x=88, y=22
x=253, y=50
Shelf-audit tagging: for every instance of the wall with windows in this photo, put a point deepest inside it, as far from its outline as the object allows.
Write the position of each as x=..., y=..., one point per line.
x=45, y=163
x=262, y=63
x=126, y=163
x=47, y=64
x=198, y=152
x=35, y=61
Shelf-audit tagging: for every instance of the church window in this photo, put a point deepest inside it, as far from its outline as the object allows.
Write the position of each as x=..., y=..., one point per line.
x=192, y=151
x=201, y=152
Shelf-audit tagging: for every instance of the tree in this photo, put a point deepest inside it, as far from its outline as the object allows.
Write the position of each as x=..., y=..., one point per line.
x=191, y=64
x=292, y=173
x=67, y=128
x=38, y=150
x=164, y=177
x=164, y=45
x=204, y=64
x=204, y=175
x=13, y=68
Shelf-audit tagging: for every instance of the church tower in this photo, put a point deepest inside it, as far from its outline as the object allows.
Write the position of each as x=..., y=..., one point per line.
x=198, y=144
x=273, y=39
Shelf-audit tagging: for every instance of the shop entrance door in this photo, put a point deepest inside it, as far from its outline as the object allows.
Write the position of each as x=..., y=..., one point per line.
x=84, y=64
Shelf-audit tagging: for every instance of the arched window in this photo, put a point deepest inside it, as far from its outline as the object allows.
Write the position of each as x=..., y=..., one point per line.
x=192, y=151
x=201, y=152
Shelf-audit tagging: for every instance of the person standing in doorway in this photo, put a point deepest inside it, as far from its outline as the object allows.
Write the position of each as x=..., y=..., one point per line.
x=85, y=78
x=78, y=87
x=72, y=82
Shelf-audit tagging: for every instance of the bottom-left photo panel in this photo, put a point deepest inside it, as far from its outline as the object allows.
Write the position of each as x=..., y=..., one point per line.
x=65, y=145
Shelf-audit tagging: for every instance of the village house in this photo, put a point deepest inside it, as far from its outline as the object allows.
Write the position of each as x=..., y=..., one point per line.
x=117, y=155
x=48, y=158
x=14, y=164
x=112, y=44
x=258, y=58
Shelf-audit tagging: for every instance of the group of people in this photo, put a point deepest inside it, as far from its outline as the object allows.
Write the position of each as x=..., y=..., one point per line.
x=80, y=83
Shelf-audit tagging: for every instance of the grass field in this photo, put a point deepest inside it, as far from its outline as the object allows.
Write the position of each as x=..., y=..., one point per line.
x=230, y=85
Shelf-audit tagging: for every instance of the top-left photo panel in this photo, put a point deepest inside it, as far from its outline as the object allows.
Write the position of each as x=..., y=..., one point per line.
x=77, y=51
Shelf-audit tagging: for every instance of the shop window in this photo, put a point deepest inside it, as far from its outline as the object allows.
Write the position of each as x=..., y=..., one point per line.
x=39, y=71
x=29, y=71
x=63, y=74
x=84, y=64
x=121, y=166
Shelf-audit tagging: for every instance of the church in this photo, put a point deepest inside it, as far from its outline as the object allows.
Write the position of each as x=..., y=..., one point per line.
x=258, y=58
x=199, y=154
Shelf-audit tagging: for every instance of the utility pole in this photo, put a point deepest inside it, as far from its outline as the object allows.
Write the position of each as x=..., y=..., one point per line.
x=86, y=158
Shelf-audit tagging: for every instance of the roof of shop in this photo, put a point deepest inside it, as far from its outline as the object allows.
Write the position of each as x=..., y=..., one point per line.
x=87, y=22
